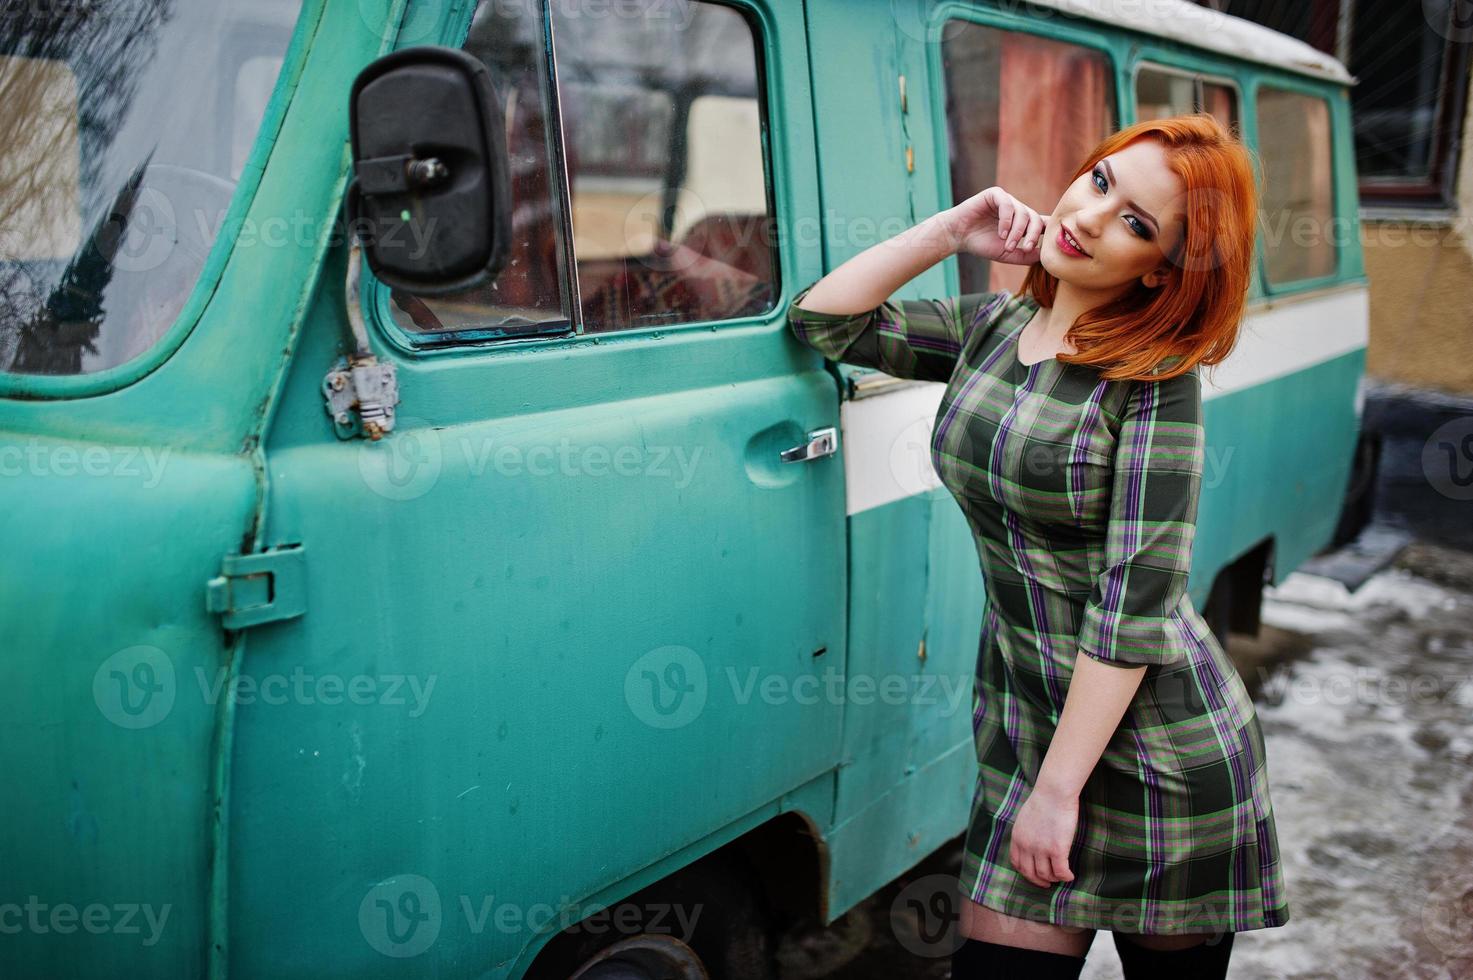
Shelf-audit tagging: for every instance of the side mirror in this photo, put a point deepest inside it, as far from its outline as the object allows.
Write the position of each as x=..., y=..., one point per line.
x=430, y=198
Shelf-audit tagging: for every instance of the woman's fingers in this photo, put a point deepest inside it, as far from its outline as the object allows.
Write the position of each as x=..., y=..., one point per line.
x=1005, y=212
x=1026, y=864
x=1024, y=221
x=1034, y=236
x=1041, y=869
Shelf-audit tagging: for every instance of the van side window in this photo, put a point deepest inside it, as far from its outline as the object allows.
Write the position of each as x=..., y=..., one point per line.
x=672, y=217
x=1162, y=92
x=999, y=86
x=676, y=226
x=1298, y=192
x=126, y=129
x=530, y=296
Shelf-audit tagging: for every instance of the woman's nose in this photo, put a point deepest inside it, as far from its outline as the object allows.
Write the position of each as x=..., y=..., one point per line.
x=1092, y=219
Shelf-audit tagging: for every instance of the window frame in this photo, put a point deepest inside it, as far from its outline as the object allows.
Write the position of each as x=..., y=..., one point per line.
x=72, y=386
x=1439, y=191
x=1337, y=162
x=476, y=341
x=1165, y=68
x=1110, y=45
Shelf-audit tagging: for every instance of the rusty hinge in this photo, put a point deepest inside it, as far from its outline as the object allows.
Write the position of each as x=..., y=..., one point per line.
x=263, y=588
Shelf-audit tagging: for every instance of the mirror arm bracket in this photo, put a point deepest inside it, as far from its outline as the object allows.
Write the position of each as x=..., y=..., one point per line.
x=360, y=391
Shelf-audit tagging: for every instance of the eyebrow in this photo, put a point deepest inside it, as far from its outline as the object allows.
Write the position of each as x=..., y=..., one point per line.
x=1110, y=170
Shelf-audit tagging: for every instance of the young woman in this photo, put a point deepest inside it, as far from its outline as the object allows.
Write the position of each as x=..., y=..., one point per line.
x=1122, y=777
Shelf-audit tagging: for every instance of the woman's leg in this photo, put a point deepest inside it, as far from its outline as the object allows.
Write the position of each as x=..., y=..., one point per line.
x=1201, y=956
x=989, y=925
x=1001, y=947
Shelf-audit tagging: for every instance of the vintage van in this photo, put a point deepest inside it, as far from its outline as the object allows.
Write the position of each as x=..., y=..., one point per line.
x=362, y=615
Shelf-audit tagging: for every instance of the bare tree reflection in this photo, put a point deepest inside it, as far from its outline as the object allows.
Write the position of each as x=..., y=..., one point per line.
x=51, y=307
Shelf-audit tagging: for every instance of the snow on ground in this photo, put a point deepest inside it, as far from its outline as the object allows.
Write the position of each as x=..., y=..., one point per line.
x=1369, y=733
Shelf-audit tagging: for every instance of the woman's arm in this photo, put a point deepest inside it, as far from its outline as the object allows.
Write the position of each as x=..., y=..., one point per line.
x=914, y=339
x=869, y=278
x=990, y=225
x=1098, y=695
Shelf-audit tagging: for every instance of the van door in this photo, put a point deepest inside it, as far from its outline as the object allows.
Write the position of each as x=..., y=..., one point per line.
x=577, y=611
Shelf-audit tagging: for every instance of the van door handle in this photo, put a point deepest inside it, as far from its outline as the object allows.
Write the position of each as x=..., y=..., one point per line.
x=821, y=442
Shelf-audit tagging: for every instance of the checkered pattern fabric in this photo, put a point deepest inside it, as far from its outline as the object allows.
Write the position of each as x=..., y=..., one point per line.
x=1082, y=498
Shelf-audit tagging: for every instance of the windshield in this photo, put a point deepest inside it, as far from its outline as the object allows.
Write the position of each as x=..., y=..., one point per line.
x=126, y=127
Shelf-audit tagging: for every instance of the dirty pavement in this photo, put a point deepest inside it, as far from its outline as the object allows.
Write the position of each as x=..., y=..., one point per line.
x=1366, y=702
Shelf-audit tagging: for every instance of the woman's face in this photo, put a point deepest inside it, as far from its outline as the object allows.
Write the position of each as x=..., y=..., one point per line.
x=1125, y=213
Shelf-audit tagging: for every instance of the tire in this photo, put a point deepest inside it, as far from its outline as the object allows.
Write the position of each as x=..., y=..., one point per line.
x=716, y=906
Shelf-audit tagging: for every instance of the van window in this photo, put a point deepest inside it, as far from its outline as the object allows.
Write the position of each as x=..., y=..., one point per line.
x=671, y=205
x=999, y=85
x=1298, y=192
x=1164, y=92
x=531, y=294
x=126, y=127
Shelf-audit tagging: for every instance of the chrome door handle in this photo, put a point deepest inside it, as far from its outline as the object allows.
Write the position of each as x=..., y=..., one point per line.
x=821, y=442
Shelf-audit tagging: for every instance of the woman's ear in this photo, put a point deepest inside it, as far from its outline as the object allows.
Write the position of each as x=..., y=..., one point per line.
x=1157, y=277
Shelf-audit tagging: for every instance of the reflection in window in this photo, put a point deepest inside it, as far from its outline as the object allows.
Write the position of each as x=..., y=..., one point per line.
x=1001, y=87
x=670, y=201
x=120, y=145
x=530, y=295
x=671, y=214
x=1161, y=94
x=1298, y=193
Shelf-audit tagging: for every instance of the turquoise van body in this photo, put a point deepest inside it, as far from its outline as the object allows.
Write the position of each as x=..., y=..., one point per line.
x=276, y=703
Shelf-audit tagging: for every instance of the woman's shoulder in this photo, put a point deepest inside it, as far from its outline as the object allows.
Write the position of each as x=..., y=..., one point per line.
x=1155, y=399
x=988, y=308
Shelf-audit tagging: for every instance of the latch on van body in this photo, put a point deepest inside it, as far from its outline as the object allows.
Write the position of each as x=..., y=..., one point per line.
x=255, y=589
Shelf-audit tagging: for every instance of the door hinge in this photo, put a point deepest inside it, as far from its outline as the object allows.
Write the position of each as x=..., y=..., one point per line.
x=255, y=589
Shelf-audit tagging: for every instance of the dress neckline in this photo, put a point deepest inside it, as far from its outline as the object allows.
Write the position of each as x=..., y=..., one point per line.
x=1017, y=339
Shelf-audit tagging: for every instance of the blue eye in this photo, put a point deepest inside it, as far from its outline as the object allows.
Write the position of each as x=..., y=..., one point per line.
x=1138, y=226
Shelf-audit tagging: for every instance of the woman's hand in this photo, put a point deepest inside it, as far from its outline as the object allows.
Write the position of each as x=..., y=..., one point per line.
x=1042, y=835
x=997, y=226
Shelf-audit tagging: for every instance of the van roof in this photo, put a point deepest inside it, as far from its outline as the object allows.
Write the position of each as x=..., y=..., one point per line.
x=1202, y=27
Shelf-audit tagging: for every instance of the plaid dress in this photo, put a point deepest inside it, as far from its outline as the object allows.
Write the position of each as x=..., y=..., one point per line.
x=1082, y=495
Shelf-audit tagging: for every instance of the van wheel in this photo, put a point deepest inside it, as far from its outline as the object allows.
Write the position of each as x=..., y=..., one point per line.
x=714, y=911
x=644, y=958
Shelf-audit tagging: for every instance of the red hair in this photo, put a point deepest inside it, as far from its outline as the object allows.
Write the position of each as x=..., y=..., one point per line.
x=1194, y=315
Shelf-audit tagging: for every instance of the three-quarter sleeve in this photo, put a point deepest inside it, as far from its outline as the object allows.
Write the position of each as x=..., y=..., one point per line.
x=918, y=340
x=1153, y=520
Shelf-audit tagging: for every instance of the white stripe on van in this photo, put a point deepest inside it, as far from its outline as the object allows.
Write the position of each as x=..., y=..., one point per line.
x=886, y=437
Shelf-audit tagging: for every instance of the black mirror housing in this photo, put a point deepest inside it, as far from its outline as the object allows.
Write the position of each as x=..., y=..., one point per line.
x=430, y=197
